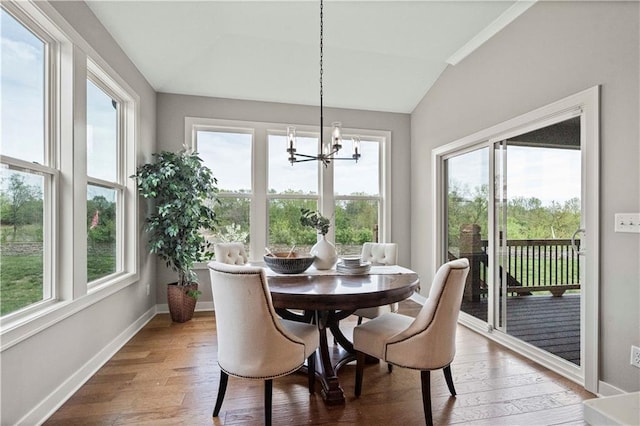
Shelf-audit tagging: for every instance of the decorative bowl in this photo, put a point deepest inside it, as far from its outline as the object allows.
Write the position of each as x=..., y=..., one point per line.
x=294, y=264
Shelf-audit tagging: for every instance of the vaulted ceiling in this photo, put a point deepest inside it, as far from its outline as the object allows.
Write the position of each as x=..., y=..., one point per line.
x=378, y=55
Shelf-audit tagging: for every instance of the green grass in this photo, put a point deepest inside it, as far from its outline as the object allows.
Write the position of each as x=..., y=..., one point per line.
x=21, y=278
x=20, y=282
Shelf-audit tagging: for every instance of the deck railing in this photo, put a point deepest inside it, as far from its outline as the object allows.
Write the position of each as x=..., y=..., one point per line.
x=532, y=265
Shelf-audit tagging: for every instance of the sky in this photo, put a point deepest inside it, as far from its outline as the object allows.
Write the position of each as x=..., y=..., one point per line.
x=544, y=173
x=22, y=89
x=228, y=155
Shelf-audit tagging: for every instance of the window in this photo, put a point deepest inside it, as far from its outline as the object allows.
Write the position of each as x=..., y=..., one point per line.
x=261, y=193
x=290, y=189
x=103, y=189
x=358, y=199
x=27, y=174
x=228, y=155
x=48, y=255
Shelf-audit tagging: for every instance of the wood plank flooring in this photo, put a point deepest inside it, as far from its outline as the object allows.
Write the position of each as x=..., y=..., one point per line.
x=547, y=322
x=168, y=375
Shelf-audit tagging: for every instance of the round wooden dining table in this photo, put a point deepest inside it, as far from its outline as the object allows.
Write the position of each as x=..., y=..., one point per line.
x=327, y=298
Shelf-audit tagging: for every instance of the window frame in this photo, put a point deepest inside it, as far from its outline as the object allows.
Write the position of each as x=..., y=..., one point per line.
x=326, y=196
x=70, y=59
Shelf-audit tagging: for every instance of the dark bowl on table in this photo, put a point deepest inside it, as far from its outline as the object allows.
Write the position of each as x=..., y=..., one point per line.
x=282, y=263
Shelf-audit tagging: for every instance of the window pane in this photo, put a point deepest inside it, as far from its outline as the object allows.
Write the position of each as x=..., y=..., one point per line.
x=361, y=178
x=356, y=223
x=285, y=229
x=102, y=134
x=22, y=86
x=101, y=232
x=286, y=178
x=228, y=155
x=21, y=233
x=233, y=217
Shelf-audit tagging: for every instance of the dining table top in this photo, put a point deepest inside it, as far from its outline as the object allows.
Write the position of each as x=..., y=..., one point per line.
x=330, y=290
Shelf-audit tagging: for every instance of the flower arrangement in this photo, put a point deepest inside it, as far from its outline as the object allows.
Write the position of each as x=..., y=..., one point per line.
x=315, y=220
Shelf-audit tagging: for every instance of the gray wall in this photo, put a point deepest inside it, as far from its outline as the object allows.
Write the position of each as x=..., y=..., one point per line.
x=553, y=50
x=35, y=368
x=172, y=109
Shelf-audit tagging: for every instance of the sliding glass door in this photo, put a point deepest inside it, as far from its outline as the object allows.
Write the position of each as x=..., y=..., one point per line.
x=537, y=200
x=467, y=214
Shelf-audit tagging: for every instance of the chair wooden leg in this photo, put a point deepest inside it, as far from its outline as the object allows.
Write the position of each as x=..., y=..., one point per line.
x=359, y=320
x=311, y=372
x=360, y=359
x=222, y=388
x=425, y=378
x=268, y=392
x=449, y=379
x=390, y=367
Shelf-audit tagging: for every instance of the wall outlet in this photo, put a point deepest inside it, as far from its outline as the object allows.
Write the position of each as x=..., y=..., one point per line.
x=635, y=356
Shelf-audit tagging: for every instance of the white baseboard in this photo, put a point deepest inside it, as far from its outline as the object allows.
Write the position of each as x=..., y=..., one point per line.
x=50, y=404
x=605, y=389
x=163, y=308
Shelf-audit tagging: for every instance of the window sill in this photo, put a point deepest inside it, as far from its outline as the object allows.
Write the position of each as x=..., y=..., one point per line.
x=16, y=330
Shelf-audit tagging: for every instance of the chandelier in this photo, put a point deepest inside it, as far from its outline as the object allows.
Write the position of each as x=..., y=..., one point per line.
x=328, y=151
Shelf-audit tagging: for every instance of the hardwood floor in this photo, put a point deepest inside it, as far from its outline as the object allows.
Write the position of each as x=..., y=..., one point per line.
x=168, y=375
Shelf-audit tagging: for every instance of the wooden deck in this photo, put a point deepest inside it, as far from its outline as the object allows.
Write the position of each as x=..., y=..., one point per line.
x=548, y=322
x=168, y=375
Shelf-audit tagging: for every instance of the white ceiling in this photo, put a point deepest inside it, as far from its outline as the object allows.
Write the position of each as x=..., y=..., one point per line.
x=378, y=55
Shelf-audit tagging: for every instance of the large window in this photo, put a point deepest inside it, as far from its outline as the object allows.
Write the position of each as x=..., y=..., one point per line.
x=103, y=189
x=228, y=155
x=53, y=174
x=290, y=189
x=358, y=199
x=261, y=193
x=27, y=173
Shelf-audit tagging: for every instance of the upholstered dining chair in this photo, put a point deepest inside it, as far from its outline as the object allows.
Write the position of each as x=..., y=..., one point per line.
x=231, y=253
x=378, y=254
x=253, y=343
x=425, y=343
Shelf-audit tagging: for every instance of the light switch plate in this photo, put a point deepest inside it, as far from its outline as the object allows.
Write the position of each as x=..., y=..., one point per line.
x=627, y=222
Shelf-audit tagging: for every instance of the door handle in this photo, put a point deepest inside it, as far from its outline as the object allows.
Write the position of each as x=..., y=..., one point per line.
x=573, y=241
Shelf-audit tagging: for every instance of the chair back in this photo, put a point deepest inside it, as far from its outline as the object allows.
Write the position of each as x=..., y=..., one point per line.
x=429, y=342
x=252, y=343
x=380, y=253
x=230, y=253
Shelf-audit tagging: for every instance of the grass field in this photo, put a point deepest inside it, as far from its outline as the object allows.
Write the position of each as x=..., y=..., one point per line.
x=21, y=277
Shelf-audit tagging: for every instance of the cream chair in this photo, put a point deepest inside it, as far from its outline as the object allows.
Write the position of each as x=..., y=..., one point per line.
x=378, y=254
x=253, y=343
x=425, y=343
x=230, y=253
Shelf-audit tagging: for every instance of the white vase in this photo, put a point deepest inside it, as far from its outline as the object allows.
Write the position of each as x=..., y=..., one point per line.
x=325, y=253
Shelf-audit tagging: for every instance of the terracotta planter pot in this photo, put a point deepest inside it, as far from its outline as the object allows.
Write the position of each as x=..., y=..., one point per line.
x=181, y=305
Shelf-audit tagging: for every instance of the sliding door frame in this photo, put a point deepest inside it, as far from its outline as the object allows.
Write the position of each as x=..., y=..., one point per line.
x=586, y=105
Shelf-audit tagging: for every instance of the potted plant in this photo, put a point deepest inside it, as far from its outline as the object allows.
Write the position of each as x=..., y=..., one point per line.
x=323, y=250
x=183, y=192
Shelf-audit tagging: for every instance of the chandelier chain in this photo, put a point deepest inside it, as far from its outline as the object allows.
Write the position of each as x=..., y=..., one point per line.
x=321, y=68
